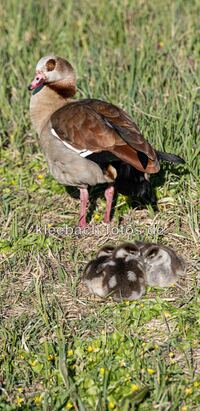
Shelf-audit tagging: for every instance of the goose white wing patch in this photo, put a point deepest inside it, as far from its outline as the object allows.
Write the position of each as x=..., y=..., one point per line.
x=82, y=153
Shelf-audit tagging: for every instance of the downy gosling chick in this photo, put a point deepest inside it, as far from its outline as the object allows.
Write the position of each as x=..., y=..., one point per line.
x=163, y=266
x=93, y=274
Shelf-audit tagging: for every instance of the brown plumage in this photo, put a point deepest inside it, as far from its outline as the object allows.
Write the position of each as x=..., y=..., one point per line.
x=115, y=130
x=83, y=140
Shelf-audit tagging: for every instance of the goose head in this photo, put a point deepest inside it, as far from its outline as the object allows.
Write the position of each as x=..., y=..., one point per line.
x=56, y=73
x=156, y=256
x=105, y=251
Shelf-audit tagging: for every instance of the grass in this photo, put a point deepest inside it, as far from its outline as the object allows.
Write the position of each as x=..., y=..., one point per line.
x=60, y=348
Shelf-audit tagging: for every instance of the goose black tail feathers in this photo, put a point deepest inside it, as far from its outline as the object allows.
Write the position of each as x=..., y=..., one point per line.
x=135, y=184
x=172, y=158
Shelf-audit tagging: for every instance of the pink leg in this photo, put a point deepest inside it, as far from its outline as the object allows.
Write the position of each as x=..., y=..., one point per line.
x=109, y=193
x=84, y=202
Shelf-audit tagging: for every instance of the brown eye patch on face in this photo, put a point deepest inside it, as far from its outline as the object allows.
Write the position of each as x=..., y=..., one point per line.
x=51, y=64
x=152, y=253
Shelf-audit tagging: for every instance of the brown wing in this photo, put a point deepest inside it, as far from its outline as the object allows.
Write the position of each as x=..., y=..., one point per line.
x=99, y=126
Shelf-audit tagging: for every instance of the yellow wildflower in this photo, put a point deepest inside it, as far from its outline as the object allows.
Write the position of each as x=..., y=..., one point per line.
x=69, y=405
x=196, y=384
x=111, y=405
x=127, y=302
x=142, y=305
x=171, y=354
x=90, y=349
x=19, y=401
x=134, y=387
x=124, y=198
x=20, y=389
x=38, y=400
x=40, y=176
x=70, y=353
x=189, y=391
x=102, y=371
x=33, y=363
x=161, y=44
x=184, y=408
x=151, y=371
x=51, y=357
x=96, y=217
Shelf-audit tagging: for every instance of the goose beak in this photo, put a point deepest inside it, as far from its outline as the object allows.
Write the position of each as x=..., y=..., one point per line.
x=38, y=81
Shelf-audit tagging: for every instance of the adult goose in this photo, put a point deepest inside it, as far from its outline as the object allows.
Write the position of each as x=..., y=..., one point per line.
x=85, y=141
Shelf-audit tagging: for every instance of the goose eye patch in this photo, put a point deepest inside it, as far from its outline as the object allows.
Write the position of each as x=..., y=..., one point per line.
x=50, y=65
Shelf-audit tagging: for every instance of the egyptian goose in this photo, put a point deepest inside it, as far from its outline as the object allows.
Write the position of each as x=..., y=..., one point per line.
x=163, y=266
x=82, y=140
x=121, y=275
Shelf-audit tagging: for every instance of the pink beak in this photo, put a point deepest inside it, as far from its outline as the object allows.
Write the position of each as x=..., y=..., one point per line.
x=38, y=81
